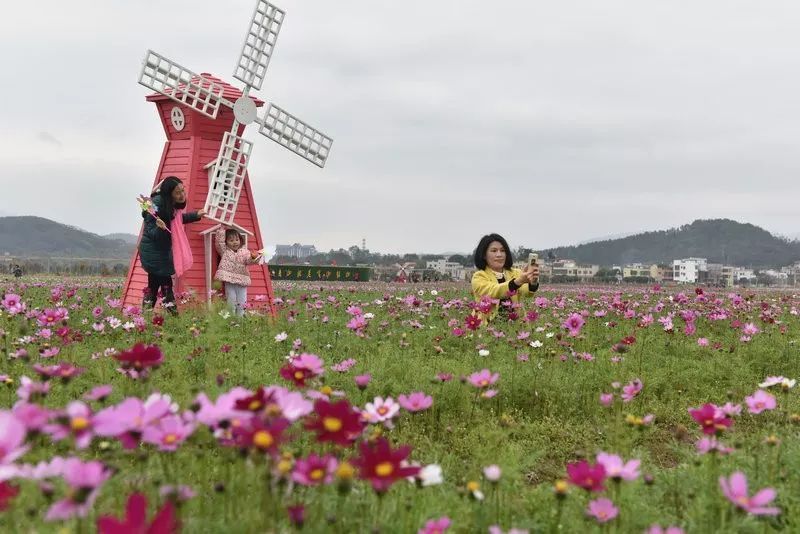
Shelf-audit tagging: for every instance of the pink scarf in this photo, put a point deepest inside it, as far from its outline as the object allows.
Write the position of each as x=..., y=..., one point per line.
x=181, y=251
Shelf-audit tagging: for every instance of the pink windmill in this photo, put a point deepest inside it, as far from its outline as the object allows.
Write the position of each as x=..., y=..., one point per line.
x=204, y=119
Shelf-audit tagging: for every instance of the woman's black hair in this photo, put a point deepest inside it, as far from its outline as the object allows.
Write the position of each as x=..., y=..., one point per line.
x=483, y=246
x=230, y=232
x=167, y=187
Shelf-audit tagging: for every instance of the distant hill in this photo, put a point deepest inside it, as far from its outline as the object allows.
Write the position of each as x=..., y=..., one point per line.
x=718, y=240
x=36, y=236
x=130, y=239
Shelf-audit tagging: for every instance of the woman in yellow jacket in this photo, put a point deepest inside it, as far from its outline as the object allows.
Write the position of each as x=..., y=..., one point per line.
x=497, y=279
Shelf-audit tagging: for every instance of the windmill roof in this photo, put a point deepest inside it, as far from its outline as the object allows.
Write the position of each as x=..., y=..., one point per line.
x=229, y=92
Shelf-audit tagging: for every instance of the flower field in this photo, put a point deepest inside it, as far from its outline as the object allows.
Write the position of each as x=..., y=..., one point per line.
x=391, y=408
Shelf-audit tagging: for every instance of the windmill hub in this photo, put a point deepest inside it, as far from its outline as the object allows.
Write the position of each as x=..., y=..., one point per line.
x=244, y=109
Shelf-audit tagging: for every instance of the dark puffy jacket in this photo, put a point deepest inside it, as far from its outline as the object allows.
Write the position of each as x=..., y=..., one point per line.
x=155, y=248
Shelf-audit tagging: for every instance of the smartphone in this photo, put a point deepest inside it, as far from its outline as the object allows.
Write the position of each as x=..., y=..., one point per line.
x=533, y=258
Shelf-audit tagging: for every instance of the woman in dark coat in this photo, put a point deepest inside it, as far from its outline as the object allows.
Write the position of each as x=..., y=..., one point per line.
x=155, y=247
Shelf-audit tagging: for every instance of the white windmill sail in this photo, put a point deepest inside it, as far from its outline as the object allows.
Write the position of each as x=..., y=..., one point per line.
x=294, y=134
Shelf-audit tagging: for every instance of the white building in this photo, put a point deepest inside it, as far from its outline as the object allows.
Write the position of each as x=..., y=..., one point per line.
x=295, y=251
x=454, y=270
x=740, y=273
x=688, y=270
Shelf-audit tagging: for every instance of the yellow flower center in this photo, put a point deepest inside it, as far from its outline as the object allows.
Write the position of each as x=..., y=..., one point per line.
x=298, y=375
x=317, y=474
x=382, y=410
x=326, y=390
x=169, y=439
x=79, y=423
x=384, y=469
x=484, y=383
x=254, y=405
x=332, y=424
x=263, y=439
x=345, y=471
x=473, y=486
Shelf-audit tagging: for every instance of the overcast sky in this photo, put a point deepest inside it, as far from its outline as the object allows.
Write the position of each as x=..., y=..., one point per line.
x=549, y=122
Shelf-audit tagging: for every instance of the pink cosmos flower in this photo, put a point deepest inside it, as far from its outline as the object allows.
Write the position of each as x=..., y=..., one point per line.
x=12, y=438
x=483, y=378
x=750, y=329
x=603, y=510
x=311, y=362
x=415, y=402
x=128, y=420
x=631, y=389
x=381, y=410
x=574, y=323
x=13, y=304
x=435, y=526
x=703, y=342
x=314, y=470
x=84, y=480
x=735, y=489
x=63, y=370
x=168, y=433
x=362, y=381
x=98, y=393
x=606, y=399
x=760, y=401
x=344, y=366
x=33, y=416
x=492, y=473
x=706, y=445
x=657, y=529
x=76, y=420
x=731, y=409
x=29, y=390
x=617, y=469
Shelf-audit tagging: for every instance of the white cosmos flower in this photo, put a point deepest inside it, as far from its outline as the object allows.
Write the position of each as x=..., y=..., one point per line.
x=281, y=337
x=483, y=352
x=535, y=343
x=549, y=334
x=431, y=475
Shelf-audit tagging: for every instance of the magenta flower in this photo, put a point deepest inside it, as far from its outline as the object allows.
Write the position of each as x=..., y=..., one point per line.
x=603, y=510
x=606, y=399
x=12, y=438
x=587, y=476
x=631, y=389
x=415, y=402
x=168, y=433
x=617, y=469
x=735, y=489
x=574, y=323
x=314, y=470
x=84, y=480
x=750, y=329
x=710, y=418
x=483, y=378
x=435, y=526
x=760, y=401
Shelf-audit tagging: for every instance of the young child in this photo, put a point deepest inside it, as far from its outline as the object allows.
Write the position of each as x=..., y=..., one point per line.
x=232, y=267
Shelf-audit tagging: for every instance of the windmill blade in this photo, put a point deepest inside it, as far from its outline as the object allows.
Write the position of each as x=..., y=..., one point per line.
x=180, y=84
x=294, y=134
x=258, y=44
x=227, y=178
